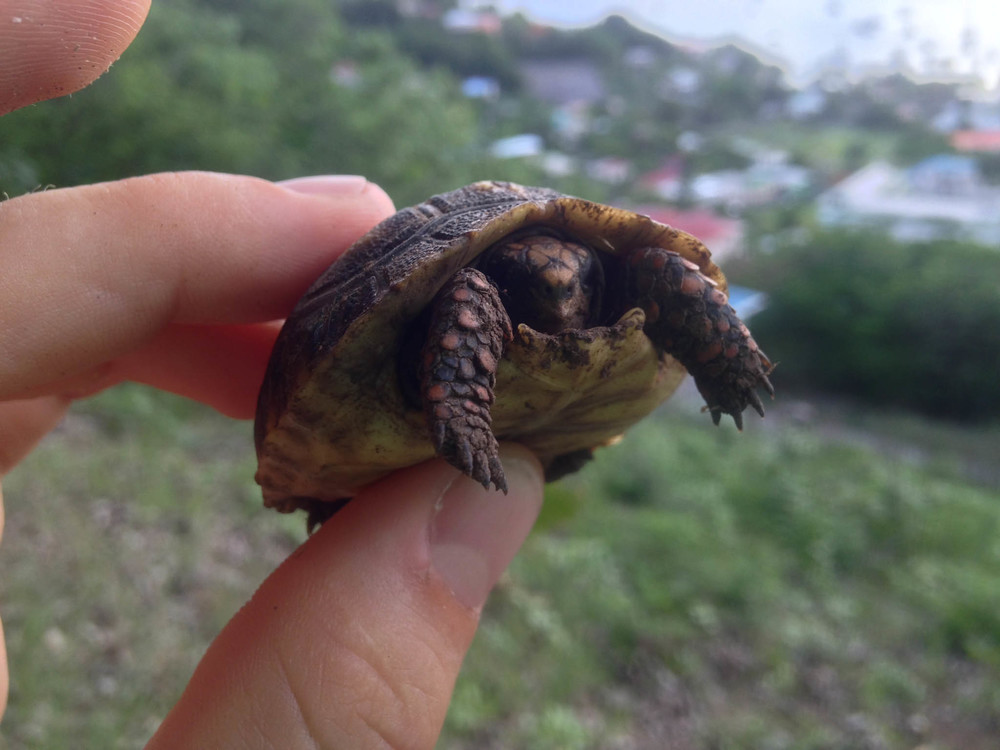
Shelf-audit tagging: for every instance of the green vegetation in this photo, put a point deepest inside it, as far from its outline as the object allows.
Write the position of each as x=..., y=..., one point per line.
x=780, y=592
x=907, y=325
x=255, y=88
x=837, y=148
x=316, y=86
x=770, y=589
x=129, y=544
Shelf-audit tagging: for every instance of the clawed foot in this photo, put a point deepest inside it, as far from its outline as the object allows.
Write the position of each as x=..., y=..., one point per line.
x=465, y=340
x=688, y=317
x=735, y=388
x=466, y=441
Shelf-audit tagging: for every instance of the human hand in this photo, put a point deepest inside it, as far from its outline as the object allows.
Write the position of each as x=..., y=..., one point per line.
x=356, y=640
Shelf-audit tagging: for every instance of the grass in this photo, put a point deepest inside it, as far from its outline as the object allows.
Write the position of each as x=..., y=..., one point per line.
x=134, y=533
x=693, y=588
x=779, y=591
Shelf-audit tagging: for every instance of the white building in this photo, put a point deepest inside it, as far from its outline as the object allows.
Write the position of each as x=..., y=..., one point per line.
x=940, y=198
x=517, y=146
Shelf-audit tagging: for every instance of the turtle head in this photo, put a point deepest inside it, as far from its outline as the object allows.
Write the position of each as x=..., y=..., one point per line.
x=547, y=282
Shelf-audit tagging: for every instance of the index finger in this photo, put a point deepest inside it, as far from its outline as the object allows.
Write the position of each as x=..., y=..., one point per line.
x=49, y=49
x=90, y=274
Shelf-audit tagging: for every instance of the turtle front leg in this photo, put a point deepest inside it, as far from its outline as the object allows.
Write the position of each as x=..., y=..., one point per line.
x=691, y=320
x=466, y=337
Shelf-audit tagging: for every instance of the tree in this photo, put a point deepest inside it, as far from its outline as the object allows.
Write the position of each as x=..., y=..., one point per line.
x=246, y=87
x=916, y=326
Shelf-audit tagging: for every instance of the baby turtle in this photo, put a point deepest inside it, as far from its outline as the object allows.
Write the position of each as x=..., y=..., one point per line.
x=493, y=312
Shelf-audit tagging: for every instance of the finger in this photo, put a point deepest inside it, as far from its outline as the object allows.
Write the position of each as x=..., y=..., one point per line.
x=221, y=366
x=4, y=672
x=50, y=48
x=356, y=640
x=23, y=423
x=90, y=274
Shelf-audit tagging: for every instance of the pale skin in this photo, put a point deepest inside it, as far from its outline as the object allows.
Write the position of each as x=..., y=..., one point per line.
x=179, y=281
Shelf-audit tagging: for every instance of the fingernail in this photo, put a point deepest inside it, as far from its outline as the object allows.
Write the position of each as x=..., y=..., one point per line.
x=475, y=533
x=327, y=184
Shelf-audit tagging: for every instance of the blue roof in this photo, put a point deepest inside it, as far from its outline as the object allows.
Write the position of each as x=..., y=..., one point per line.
x=949, y=163
x=745, y=301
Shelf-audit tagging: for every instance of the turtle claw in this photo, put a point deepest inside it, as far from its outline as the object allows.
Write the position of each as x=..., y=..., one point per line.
x=729, y=398
x=738, y=419
x=498, y=478
x=488, y=469
x=461, y=458
x=718, y=411
x=469, y=446
x=466, y=442
x=735, y=388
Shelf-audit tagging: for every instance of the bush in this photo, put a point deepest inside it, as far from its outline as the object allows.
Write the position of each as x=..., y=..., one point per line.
x=916, y=326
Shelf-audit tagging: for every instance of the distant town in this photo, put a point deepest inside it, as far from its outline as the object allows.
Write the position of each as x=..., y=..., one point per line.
x=934, y=195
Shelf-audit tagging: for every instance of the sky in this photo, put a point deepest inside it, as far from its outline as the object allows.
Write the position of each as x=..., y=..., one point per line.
x=930, y=37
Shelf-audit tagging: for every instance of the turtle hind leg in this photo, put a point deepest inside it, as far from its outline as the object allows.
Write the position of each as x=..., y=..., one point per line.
x=691, y=320
x=465, y=340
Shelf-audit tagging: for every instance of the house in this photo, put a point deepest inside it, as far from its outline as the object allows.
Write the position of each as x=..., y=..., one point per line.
x=571, y=121
x=610, y=169
x=680, y=83
x=562, y=81
x=944, y=174
x=768, y=178
x=758, y=184
x=557, y=164
x=419, y=8
x=976, y=141
x=939, y=198
x=806, y=103
x=640, y=57
x=667, y=181
x=468, y=21
x=778, y=178
x=726, y=187
x=517, y=146
x=481, y=87
x=967, y=115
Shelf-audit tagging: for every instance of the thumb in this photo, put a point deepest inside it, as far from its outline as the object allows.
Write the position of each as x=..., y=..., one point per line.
x=356, y=640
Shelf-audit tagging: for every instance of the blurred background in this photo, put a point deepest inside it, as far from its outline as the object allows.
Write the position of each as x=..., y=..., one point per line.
x=829, y=578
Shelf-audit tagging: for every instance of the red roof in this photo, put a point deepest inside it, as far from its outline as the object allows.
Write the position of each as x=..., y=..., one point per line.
x=976, y=140
x=672, y=169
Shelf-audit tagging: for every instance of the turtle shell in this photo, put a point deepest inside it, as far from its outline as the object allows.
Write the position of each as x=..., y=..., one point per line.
x=334, y=413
